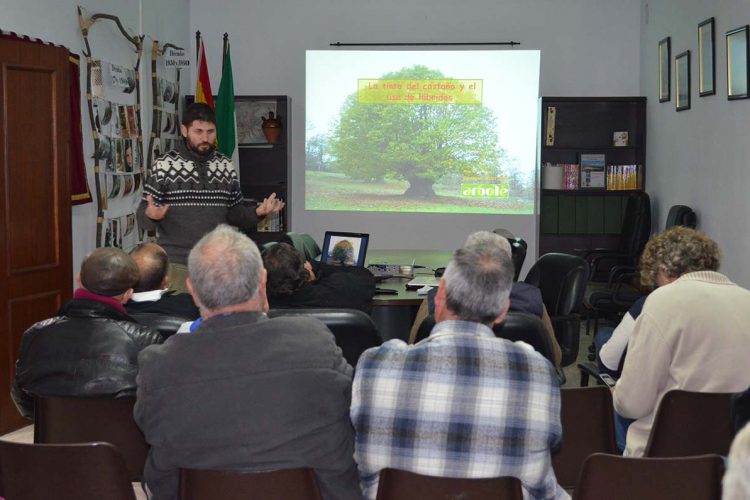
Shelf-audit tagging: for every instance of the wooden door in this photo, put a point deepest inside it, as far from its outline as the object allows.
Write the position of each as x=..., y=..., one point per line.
x=35, y=239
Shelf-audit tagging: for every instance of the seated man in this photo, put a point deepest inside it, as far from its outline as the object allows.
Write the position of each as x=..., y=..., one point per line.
x=461, y=403
x=242, y=391
x=151, y=293
x=293, y=284
x=692, y=333
x=90, y=349
x=524, y=298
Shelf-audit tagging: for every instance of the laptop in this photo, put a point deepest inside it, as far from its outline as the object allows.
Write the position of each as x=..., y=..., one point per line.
x=344, y=249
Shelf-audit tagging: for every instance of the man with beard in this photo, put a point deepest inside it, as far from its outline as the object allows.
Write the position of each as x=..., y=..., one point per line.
x=191, y=190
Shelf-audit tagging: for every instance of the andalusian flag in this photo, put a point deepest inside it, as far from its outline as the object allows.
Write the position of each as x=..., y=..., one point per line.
x=225, y=122
x=203, y=85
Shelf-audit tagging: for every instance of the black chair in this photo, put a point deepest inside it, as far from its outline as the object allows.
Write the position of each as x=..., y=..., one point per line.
x=586, y=415
x=398, y=484
x=78, y=420
x=90, y=471
x=516, y=326
x=681, y=215
x=691, y=423
x=162, y=323
x=289, y=484
x=624, y=478
x=354, y=330
x=636, y=229
x=562, y=280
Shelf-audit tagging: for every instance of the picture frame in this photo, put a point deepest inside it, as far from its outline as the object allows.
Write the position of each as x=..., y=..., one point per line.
x=665, y=56
x=737, y=63
x=249, y=115
x=706, y=58
x=593, y=171
x=682, y=81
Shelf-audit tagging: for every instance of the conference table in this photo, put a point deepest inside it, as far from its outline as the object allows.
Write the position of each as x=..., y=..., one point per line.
x=394, y=314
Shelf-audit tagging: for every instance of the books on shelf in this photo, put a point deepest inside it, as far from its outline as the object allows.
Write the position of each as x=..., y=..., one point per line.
x=561, y=176
x=271, y=224
x=624, y=177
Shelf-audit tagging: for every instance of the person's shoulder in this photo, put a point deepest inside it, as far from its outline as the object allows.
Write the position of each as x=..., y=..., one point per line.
x=394, y=351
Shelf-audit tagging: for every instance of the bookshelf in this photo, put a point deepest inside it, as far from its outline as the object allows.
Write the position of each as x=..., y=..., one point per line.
x=577, y=217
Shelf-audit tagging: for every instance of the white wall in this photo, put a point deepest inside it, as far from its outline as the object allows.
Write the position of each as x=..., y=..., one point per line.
x=699, y=157
x=56, y=21
x=588, y=47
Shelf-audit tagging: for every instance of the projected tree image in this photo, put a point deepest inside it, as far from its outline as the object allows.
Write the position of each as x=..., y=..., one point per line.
x=421, y=143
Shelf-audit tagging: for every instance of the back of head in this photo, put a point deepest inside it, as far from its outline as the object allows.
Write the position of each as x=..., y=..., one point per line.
x=153, y=265
x=285, y=266
x=478, y=281
x=225, y=268
x=677, y=251
x=199, y=111
x=488, y=237
x=108, y=272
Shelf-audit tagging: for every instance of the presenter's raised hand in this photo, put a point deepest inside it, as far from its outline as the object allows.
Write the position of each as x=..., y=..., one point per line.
x=269, y=205
x=154, y=211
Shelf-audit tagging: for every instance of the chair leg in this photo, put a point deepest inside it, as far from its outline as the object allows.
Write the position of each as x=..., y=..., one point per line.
x=584, y=379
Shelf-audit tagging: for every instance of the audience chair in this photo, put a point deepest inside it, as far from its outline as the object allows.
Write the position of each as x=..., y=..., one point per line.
x=78, y=420
x=691, y=423
x=398, y=484
x=164, y=324
x=516, y=326
x=354, y=330
x=587, y=417
x=291, y=484
x=90, y=471
x=623, y=478
x=562, y=280
x=681, y=215
x=304, y=243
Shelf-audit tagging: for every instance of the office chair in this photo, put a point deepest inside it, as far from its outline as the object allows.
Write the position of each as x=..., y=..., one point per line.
x=562, y=281
x=80, y=420
x=624, y=478
x=289, y=484
x=354, y=330
x=681, y=215
x=165, y=324
x=398, y=484
x=84, y=471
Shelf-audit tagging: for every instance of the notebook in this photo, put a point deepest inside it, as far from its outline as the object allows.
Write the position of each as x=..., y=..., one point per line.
x=344, y=249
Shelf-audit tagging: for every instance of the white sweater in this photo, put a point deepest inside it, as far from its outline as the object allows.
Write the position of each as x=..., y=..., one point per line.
x=693, y=334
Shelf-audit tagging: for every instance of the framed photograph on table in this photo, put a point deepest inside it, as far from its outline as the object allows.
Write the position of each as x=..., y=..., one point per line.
x=706, y=56
x=737, y=63
x=593, y=171
x=682, y=81
x=665, y=84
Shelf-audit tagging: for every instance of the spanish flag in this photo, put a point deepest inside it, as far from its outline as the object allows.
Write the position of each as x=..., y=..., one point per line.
x=203, y=85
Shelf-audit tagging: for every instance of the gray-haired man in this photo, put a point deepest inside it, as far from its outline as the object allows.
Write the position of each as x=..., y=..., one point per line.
x=461, y=403
x=242, y=391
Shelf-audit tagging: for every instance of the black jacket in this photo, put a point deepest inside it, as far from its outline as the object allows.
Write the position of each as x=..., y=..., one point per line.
x=89, y=349
x=170, y=304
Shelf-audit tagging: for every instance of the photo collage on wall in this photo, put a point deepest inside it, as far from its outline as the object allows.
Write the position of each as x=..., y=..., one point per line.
x=118, y=150
x=166, y=120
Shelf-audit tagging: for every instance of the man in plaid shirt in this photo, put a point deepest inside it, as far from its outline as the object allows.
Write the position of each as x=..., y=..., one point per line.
x=461, y=403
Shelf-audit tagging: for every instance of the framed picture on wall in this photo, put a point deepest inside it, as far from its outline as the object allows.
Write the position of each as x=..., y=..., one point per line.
x=665, y=56
x=249, y=115
x=706, y=57
x=737, y=63
x=593, y=167
x=682, y=81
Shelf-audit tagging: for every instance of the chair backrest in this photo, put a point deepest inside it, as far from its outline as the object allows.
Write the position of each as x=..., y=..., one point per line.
x=162, y=323
x=588, y=427
x=291, y=484
x=77, y=420
x=304, y=243
x=636, y=225
x=681, y=215
x=623, y=478
x=516, y=326
x=354, y=330
x=518, y=247
x=398, y=484
x=562, y=280
x=90, y=471
x=691, y=423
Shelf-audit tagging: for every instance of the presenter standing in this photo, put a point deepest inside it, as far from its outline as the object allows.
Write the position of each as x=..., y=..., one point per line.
x=191, y=190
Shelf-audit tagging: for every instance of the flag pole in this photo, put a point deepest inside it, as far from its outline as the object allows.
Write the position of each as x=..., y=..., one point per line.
x=224, y=51
x=197, y=46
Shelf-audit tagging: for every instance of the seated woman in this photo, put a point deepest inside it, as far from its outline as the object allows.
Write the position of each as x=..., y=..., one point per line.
x=292, y=282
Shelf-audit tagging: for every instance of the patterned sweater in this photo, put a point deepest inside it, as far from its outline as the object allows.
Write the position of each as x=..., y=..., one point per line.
x=201, y=192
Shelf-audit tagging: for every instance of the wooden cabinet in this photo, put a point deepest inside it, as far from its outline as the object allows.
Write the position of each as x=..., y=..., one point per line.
x=578, y=219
